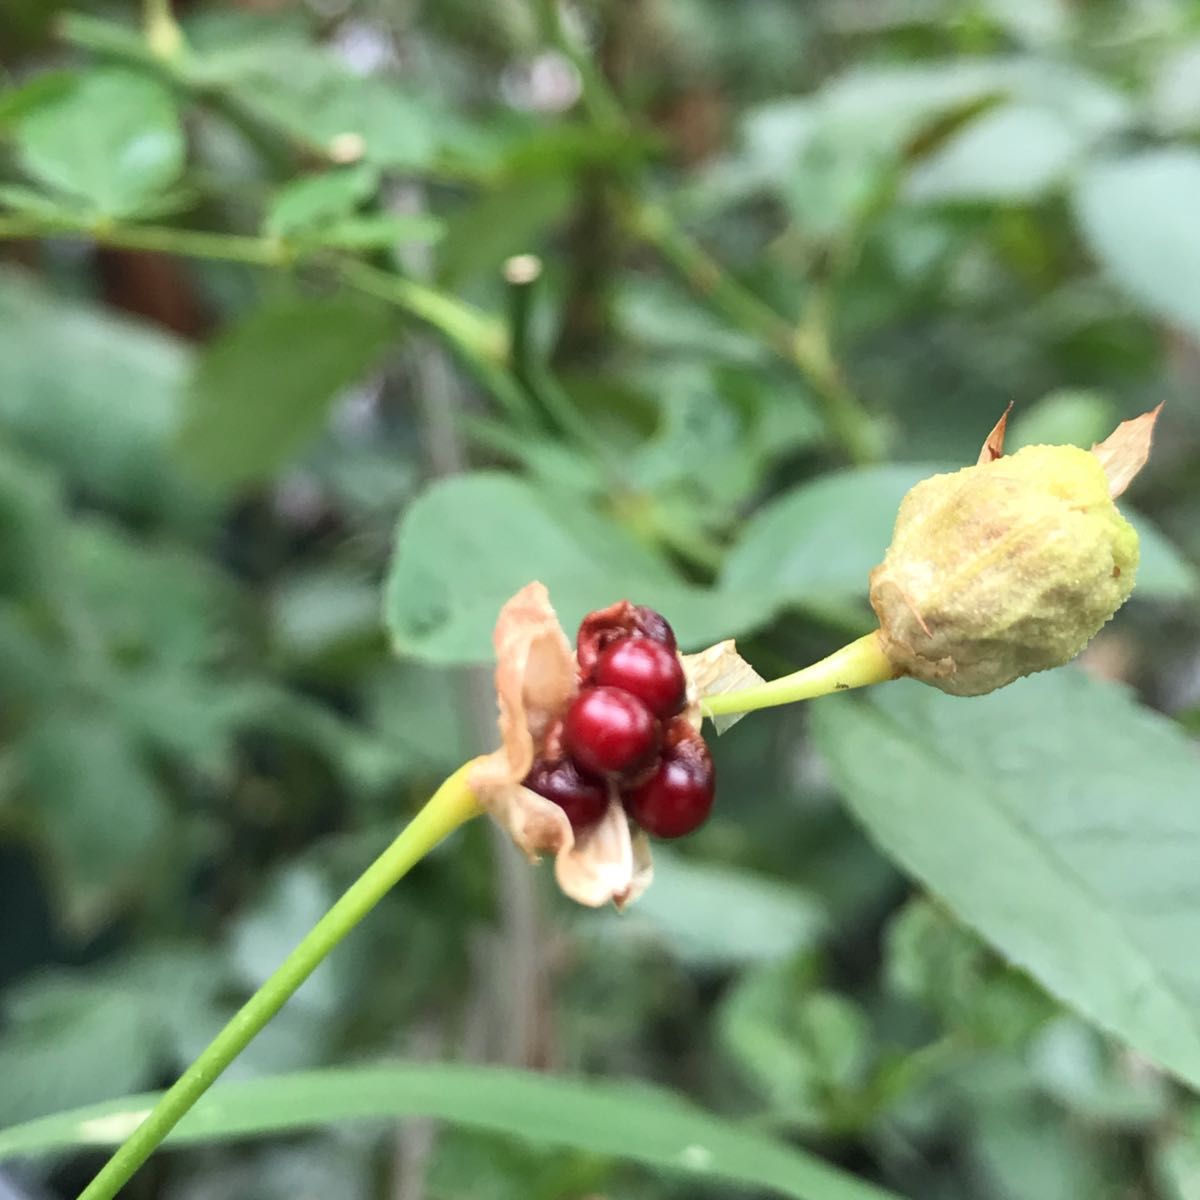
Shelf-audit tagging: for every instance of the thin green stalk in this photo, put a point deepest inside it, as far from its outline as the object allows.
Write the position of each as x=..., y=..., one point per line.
x=860, y=663
x=193, y=243
x=602, y=105
x=451, y=805
x=477, y=334
x=806, y=347
x=163, y=35
x=188, y=243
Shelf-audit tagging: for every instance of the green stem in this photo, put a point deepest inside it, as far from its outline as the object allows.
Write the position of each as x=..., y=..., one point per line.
x=860, y=663
x=163, y=35
x=189, y=243
x=451, y=805
x=602, y=105
x=806, y=348
x=478, y=335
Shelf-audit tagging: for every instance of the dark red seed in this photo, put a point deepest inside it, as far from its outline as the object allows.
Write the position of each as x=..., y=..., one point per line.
x=678, y=797
x=607, y=731
x=584, y=800
x=645, y=668
x=623, y=619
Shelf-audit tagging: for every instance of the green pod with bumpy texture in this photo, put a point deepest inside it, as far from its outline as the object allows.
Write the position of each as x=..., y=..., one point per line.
x=1003, y=569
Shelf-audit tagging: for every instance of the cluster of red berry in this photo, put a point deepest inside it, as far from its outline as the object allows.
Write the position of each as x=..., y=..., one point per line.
x=625, y=727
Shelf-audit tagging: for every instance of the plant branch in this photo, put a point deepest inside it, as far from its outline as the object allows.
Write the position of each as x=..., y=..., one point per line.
x=806, y=347
x=451, y=805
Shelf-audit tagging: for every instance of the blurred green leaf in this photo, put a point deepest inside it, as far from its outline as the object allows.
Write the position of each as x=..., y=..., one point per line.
x=814, y=547
x=316, y=200
x=625, y=1121
x=1097, y=1081
x=1138, y=215
x=935, y=961
x=31, y=522
x=262, y=390
x=112, y=141
x=1012, y=154
x=1175, y=97
x=15, y=102
x=1056, y=818
x=145, y=603
x=513, y=218
x=1067, y=417
x=1177, y=1159
x=104, y=413
x=467, y=544
x=712, y=916
x=315, y=99
x=101, y=812
x=1023, y=1150
x=286, y=909
x=802, y=1049
x=74, y=1037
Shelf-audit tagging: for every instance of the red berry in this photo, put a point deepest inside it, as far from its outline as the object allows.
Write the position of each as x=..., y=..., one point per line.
x=584, y=800
x=609, y=732
x=678, y=797
x=645, y=668
x=607, y=625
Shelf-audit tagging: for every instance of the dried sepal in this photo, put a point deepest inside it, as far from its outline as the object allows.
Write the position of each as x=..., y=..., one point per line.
x=536, y=678
x=710, y=672
x=993, y=446
x=606, y=862
x=1125, y=451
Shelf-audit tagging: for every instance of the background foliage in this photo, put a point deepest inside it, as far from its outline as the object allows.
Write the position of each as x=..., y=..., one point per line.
x=258, y=305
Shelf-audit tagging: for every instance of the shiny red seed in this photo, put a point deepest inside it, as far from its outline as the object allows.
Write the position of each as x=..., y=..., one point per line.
x=584, y=800
x=606, y=625
x=645, y=668
x=678, y=797
x=608, y=731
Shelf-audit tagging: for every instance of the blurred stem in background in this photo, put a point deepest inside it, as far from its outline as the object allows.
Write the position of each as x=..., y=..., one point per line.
x=163, y=34
x=807, y=346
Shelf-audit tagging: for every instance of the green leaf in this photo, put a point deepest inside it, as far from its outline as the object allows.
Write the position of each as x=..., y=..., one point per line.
x=935, y=962
x=1056, y=818
x=795, y=1045
x=261, y=391
x=50, y=209
x=514, y=218
x=113, y=140
x=1066, y=417
x=623, y=1120
x=74, y=1037
x=100, y=809
x=318, y=199
x=467, y=544
x=15, y=102
x=1138, y=216
x=711, y=916
x=814, y=546
x=31, y=520
x=1016, y=153
x=104, y=413
x=311, y=96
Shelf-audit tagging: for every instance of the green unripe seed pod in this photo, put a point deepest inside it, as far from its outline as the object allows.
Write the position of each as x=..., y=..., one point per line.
x=1003, y=569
